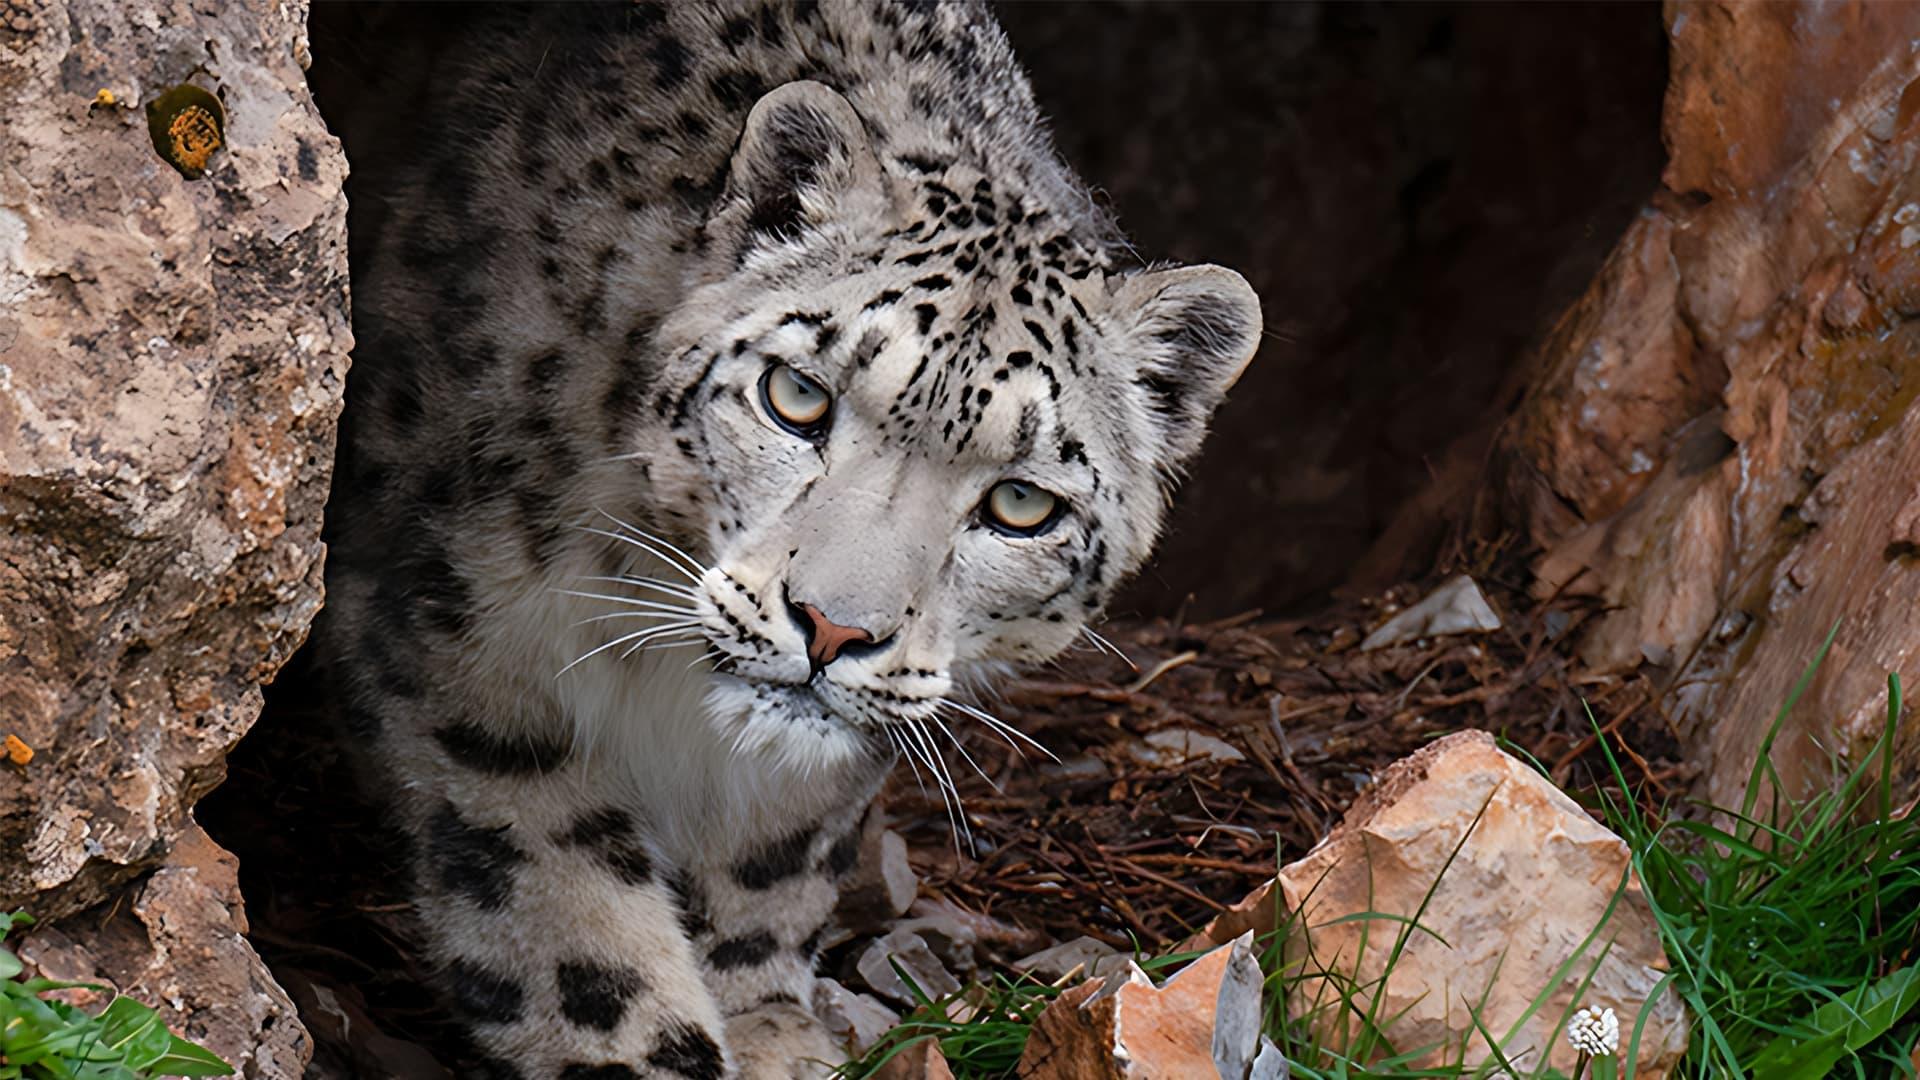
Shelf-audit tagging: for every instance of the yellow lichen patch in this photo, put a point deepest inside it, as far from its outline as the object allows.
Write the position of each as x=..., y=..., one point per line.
x=18, y=751
x=106, y=97
x=187, y=125
x=194, y=137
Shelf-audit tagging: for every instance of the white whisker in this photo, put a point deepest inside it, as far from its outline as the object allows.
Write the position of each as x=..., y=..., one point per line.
x=691, y=563
x=710, y=654
x=662, y=612
x=597, y=650
x=667, y=560
x=665, y=638
x=633, y=601
x=1005, y=730
x=949, y=793
x=958, y=745
x=671, y=588
x=1110, y=647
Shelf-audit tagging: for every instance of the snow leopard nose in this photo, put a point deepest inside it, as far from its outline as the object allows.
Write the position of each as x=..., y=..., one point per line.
x=827, y=640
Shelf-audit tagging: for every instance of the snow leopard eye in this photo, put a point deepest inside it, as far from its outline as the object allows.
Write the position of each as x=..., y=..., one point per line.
x=1020, y=509
x=795, y=402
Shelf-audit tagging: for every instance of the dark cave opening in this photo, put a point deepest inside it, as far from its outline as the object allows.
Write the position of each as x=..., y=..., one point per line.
x=1414, y=190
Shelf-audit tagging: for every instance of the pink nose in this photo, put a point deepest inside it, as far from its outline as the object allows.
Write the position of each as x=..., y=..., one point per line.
x=827, y=638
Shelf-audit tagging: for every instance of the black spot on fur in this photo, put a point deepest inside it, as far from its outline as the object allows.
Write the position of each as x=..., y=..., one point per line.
x=690, y=1052
x=692, y=904
x=483, y=995
x=775, y=862
x=748, y=951
x=920, y=163
x=609, y=834
x=735, y=32
x=690, y=124
x=597, y=1072
x=474, y=862
x=925, y=313
x=671, y=62
x=844, y=852
x=1039, y=335
x=736, y=89
x=595, y=996
x=469, y=744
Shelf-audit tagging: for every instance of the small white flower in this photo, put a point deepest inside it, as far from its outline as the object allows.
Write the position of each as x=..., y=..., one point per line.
x=1594, y=1031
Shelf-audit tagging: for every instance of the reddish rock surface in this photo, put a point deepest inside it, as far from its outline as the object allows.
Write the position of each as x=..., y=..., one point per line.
x=176, y=944
x=1719, y=440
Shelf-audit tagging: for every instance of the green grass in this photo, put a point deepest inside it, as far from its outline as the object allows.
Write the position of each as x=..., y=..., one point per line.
x=52, y=1040
x=1793, y=938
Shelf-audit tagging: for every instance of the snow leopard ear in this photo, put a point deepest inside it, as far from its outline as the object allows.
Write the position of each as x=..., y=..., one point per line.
x=803, y=159
x=1194, y=330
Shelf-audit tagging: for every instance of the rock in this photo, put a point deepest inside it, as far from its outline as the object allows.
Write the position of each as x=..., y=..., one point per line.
x=1204, y=1022
x=1175, y=746
x=1707, y=437
x=1269, y=1063
x=882, y=885
x=856, y=1021
x=985, y=929
x=1088, y=957
x=909, y=950
x=1532, y=880
x=921, y=1061
x=1456, y=607
x=178, y=946
x=172, y=354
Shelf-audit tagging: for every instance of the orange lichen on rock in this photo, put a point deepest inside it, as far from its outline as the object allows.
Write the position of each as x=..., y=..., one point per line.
x=194, y=135
x=18, y=751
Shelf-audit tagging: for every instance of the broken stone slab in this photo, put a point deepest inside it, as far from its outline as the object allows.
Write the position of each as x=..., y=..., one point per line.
x=882, y=885
x=178, y=946
x=1456, y=607
x=1087, y=957
x=910, y=951
x=1177, y=746
x=1204, y=1022
x=855, y=1020
x=987, y=931
x=1527, y=883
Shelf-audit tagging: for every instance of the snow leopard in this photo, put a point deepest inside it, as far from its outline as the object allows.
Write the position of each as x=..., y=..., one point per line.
x=740, y=389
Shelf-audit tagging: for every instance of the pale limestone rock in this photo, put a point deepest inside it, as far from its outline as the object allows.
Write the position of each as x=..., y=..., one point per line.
x=910, y=951
x=856, y=1021
x=1176, y=746
x=1532, y=880
x=1089, y=957
x=882, y=885
x=1456, y=607
x=1204, y=1022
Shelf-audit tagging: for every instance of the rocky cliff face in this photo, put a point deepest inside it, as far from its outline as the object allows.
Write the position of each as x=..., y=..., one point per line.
x=172, y=353
x=1720, y=439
